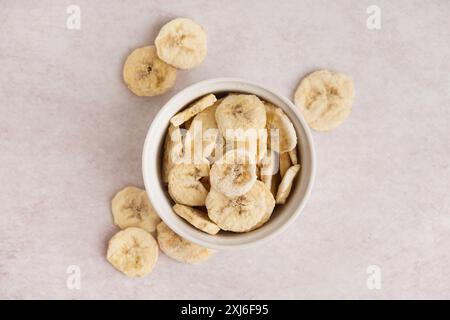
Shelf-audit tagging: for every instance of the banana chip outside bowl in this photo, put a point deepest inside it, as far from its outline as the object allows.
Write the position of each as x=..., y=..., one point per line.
x=283, y=216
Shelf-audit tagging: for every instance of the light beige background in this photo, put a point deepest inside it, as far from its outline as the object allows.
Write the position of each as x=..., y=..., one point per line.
x=71, y=136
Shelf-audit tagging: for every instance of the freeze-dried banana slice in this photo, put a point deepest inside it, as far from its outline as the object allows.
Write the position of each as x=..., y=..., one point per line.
x=234, y=174
x=293, y=156
x=262, y=145
x=279, y=123
x=173, y=150
x=178, y=248
x=325, y=99
x=197, y=218
x=284, y=189
x=254, y=142
x=203, y=133
x=133, y=251
x=270, y=205
x=238, y=214
x=185, y=186
x=219, y=150
x=182, y=43
x=240, y=112
x=147, y=75
x=195, y=108
x=285, y=163
x=207, y=117
x=132, y=208
x=269, y=167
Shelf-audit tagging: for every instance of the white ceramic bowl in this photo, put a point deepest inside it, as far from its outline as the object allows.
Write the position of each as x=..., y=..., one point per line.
x=283, y=215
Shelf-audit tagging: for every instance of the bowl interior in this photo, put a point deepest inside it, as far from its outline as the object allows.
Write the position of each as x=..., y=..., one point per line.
x=157, y=190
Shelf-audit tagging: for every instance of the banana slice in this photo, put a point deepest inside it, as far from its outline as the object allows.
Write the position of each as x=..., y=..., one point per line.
x=278, y=122
x=234, y=174
x=185, y=186
x=219, y=150
x=285, y=163
x=293, y=156
x=203, y=132
x=270, y=205
x=181, y=43
x=132, y=208
x=173, y=150
x=262, y=145
x=240, y=112
x=286, y=184
x=178, y=248
x=208, y=116
x=147, y=75
x=238, y=214
x=197, y=218
x=195, y=108
x=240, y=140
x=133, y=251
x=269, y=167
x=254, y=142
x=325, y=99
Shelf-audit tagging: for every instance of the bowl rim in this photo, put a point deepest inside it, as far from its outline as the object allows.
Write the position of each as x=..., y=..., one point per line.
x=158, y=207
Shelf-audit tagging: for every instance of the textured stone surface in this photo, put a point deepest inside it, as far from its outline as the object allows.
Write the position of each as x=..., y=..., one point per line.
x=71, y=136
